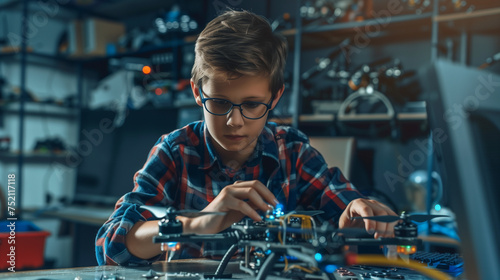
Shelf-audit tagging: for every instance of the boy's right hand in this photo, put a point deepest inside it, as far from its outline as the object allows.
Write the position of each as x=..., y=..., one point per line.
x=243, y=198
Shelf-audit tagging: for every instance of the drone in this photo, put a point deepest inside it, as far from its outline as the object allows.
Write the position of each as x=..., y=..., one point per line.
x=286, y=245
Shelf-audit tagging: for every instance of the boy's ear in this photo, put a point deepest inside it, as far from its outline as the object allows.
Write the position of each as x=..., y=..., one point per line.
x=196, y=93
x=278, y=96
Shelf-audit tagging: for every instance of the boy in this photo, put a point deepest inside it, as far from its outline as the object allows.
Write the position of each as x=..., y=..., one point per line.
x=233, y=161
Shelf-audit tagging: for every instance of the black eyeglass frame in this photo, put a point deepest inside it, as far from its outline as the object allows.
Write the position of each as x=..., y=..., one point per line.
x=203, y=100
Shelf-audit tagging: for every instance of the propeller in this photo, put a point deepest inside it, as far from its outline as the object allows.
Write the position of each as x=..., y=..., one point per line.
x=385, y=219
x=160, y=212
x=418, y=218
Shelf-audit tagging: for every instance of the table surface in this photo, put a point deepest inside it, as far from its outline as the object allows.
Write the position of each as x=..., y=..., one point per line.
x=192, y=269
x=179, y=269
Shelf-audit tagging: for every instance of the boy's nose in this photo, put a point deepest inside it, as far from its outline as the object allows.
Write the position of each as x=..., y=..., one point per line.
x=235, y=118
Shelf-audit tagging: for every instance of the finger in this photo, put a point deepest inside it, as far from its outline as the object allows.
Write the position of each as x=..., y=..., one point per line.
x=262, y=190
x=389, y=211
x=382, y=230
x=251, y=195
x=386, y=232
x=390, y=230
x=390, y=227
x=363, y=209
x=236, y=204
x=387, y=229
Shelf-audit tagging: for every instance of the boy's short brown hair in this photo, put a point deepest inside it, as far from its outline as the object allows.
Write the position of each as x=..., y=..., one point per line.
x=239, y=43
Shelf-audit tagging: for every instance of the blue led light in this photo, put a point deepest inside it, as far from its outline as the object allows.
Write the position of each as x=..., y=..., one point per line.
x=437, y=207
x=330, y=268
x=278, y=210
x=171, y=244
x=318, y=257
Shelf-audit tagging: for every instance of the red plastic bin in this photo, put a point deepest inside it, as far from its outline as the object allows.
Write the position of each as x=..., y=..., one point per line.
x=29, y=245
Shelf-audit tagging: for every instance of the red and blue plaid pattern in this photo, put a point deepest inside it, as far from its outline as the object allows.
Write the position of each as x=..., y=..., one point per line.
x=183, y=171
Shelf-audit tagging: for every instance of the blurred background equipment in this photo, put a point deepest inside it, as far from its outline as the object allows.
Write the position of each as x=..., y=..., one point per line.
x=113, y=91
x=490, y=61
x=385, y=78
x=317, y=12
x=282, y=23
x=323, y=12
x=418, y=6
x=175, y=21
x=50, y=145
x=90, y=37
x=416, y=190
x=163, y=92
x=119, y=92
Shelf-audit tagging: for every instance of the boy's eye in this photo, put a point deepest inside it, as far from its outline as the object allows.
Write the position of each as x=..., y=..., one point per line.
x=251, y=105
x=220, y=101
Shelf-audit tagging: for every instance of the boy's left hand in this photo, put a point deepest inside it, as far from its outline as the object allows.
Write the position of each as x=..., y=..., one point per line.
x=364, y=208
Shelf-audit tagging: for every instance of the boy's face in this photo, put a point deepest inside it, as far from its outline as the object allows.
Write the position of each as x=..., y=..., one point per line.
x=233, y=134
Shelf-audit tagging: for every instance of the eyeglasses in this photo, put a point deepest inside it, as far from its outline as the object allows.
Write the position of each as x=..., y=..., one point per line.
x=249, y=109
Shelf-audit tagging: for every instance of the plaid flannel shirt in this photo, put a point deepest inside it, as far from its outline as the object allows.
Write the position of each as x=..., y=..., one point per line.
x=183, y=171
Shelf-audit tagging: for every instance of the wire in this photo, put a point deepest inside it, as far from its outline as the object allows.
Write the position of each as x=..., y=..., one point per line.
x=284, y=231
x=310, y=271
x=286, y=263
x=442, y=240
x=307, y=224
x=313, y=224
x=280, y=239
x=382, y=261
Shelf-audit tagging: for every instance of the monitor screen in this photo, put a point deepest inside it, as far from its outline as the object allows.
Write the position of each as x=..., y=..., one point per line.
x=113, y=154
x=464, y=117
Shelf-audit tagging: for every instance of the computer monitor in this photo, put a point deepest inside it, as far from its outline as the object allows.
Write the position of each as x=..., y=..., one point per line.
x=463, y=107
x=112, y=155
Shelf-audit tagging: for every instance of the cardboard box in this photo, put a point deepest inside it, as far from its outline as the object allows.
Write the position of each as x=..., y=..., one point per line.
x=90, y=37
x=75, y=38
x=98, y=33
